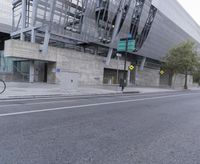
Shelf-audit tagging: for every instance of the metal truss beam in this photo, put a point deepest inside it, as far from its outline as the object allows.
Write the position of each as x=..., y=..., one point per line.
x=136, y=17
x=34, y=13
x=28, y=29
x=23, y=19
x=116, y=28
x=144, y=34
x=75, y=20
x=44, y=47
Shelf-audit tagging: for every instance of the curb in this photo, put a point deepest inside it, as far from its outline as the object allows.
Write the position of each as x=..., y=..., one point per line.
x=66, y=96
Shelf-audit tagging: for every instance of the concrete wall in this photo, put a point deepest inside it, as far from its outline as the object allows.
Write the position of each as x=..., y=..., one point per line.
x=179, y=80
x=90, y=68
x=27, y=50
x=72, y=68
x=6, y=76
x=147, y=77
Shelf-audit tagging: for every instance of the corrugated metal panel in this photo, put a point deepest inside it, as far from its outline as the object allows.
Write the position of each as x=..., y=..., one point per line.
x=164, y=35
x=6, y=12
x=175, y=12
x=171, y=26
x=144, y=15
x=112, y=9
x=5, y=28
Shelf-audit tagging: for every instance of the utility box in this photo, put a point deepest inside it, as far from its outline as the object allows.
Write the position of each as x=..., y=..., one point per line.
x=68, y=80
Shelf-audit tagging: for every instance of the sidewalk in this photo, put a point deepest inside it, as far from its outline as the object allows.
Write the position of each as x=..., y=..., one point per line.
x=20, y=90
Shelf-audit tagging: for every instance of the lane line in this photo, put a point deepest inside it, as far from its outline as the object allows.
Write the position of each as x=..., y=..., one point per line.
x=29, y=99
x=91, y=105
x=37, y=103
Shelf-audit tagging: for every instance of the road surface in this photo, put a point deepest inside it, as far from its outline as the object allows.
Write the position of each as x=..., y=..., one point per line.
x=156, y=128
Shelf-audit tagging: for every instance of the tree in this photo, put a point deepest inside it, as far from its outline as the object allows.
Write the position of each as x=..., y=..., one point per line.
x=183, y=59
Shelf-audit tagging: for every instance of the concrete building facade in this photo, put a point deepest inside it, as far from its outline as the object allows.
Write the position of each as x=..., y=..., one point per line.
x=6, y=67
x=74, y=42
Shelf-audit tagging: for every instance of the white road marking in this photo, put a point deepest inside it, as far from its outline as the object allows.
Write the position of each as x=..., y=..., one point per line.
x=91, y=105
x=29, y=99
x=38, y=103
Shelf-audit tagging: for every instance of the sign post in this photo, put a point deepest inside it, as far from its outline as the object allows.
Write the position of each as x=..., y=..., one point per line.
x=124, y=77
x=124, y=46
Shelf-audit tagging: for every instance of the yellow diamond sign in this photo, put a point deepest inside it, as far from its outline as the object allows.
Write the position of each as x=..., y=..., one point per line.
x=162, y=72
x=131, y=67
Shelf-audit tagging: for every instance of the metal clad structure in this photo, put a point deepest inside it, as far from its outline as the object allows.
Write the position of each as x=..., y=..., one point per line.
x=174, y=11
x=156, y=25
x=5, y=16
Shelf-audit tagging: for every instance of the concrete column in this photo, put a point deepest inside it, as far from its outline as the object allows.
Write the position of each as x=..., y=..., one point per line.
x=48, y=28
x=128, y=77
x=136, y=75
x=143, y=63
x=31, y=71
x=33, y=36
x=34, y=12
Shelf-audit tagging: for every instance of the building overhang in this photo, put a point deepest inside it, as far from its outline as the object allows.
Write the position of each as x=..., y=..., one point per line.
x=27, y=50
x=5, y=28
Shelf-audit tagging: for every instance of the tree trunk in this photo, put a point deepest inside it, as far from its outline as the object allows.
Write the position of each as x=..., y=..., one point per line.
x=186, y=79
x=171, y=79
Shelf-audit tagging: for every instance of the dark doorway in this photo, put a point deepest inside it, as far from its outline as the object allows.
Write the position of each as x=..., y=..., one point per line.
x=3, y=37
x=110, y=76
x=45, y=72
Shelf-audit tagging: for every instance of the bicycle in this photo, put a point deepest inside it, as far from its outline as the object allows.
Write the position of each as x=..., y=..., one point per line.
x=2, y=86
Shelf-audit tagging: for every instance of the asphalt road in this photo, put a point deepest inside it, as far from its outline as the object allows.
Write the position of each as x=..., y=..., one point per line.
x=159, y=128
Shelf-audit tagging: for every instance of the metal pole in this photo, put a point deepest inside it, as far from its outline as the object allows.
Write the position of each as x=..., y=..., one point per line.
x=124, y=78
x=117, y=72
x=118, y=56
x=34, y=14
x=117, y=69
x=23, y=22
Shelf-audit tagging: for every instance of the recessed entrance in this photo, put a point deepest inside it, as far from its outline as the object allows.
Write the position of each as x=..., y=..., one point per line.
x=110, y=76
x=31, y=71
x=45, y=72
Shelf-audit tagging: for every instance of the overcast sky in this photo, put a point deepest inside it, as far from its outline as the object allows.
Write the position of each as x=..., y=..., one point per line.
x=192, y=7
